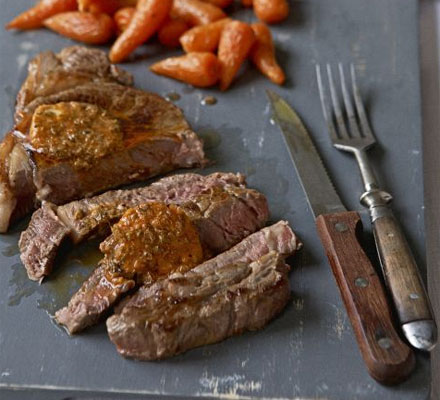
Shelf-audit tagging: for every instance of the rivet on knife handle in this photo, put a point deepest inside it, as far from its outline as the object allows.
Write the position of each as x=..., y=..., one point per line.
x=389, y=360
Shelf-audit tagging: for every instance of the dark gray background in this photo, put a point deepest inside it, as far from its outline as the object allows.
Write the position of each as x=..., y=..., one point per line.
x=309, y=351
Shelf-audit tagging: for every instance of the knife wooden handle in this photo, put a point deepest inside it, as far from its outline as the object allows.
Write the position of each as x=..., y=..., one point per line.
x=389, y=360
x=400, y=271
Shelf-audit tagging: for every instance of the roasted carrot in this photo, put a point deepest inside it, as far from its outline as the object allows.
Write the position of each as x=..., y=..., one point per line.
x=123, y=17
x=196, y=12
x=128, y=3
x=98, y=6
x=203, y=37
x=34, y=17
x=271, y=11
x=83, y=26
x=197, y=69
x=147, y=19
x=246, y=3
x=171, y=31
x=104, y=6
x=235, y=43
x=219, y=3
x=263, y=54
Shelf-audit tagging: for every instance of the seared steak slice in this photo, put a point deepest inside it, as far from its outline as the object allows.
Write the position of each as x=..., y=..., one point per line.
x=79, y=131
x=39, y=243
x=50, y=73
x=93, y=216
x=233, y=214
x=93, y=300
x=137, y=135
x=241, y=289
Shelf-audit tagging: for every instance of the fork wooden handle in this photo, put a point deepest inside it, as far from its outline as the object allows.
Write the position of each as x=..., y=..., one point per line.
x=388, y=359
x=400, y=270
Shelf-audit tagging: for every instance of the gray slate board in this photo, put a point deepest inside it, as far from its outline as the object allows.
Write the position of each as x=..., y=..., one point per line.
x=309, y=351
x=430, y=67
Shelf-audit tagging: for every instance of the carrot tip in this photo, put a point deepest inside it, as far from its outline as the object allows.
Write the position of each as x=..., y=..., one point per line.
x=11, y=25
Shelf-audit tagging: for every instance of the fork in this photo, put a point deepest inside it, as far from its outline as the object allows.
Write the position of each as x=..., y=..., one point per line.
x=350, y=132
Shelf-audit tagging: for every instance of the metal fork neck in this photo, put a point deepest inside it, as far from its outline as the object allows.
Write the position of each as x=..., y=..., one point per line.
x=375, y=199
x=368, y=177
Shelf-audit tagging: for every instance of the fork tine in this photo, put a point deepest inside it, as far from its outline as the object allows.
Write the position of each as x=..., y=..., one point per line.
x=365, y=126
x=326, y=110
x=354, y=129
x=336, y=107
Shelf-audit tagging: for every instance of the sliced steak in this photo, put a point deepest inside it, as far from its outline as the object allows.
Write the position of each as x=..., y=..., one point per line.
x=50, y=73
x=135, y=134
x=93, y=300
x=79, y=130
x=233, y=214
x=39, y=243
x=93, y=216
x=241, y=289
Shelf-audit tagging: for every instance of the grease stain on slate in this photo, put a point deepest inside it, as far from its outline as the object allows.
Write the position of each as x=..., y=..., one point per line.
x=211, y=138
x=208, y=101
x=172, y=96
x=11, y=250
x=65, y=280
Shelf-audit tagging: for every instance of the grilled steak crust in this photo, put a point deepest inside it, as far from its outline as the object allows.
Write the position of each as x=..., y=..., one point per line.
x=231, y=216
x=50, y=73
x=93, y=216
x=152, y=134
x=241, y=289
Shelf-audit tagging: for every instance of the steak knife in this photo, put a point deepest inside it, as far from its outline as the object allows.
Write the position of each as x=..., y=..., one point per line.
x=388, y=359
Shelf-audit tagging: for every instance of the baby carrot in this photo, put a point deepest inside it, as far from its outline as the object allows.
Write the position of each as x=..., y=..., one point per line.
x=171, y=31
x=147, y=19
x=263, y=54
x=196, y=12
x=98, y=6
x=203, y=37
x=197, y=69
x=34, y=17
x=83, y=26
x=236, y=41
x=104, y=6
x=128, y=3
x=123, y=17
x=220, y=3
x=271, y=11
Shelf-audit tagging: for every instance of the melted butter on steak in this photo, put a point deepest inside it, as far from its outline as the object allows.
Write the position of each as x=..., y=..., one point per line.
x=151, y=241
x=79, y=133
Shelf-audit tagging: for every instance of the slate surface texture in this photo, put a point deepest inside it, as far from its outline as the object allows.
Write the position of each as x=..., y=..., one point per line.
x=309, y=352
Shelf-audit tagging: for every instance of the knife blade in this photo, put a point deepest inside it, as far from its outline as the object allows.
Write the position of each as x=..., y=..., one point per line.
x=388, y=359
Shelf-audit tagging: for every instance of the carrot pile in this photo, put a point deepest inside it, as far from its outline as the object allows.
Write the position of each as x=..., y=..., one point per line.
x=215, y=45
